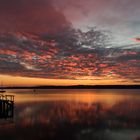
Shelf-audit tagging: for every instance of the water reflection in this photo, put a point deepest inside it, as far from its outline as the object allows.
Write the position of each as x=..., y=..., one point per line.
x=76, y=117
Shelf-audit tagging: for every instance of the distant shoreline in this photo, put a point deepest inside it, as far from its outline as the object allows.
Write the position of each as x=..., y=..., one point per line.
x=79, y=87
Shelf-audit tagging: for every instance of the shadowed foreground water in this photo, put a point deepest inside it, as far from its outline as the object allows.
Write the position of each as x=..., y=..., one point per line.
x=74, y=115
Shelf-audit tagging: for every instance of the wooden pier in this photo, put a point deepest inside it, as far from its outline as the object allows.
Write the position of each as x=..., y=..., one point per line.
x=6, y=106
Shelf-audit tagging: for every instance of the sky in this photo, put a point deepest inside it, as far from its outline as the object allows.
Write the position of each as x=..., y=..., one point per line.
x=68, y=42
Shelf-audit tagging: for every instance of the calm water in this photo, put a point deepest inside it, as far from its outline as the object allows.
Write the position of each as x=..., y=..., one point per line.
x=73, y=115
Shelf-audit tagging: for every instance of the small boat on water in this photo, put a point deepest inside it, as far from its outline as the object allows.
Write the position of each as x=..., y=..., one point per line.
x=1, y=89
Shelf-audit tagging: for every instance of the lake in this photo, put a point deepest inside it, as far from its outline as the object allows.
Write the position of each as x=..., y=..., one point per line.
x=73, y=114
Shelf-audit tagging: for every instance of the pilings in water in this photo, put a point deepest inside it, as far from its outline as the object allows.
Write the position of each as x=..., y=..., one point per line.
x=6, y=106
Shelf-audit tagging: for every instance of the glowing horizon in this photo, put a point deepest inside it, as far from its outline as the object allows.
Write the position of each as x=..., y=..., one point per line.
x=12, y=81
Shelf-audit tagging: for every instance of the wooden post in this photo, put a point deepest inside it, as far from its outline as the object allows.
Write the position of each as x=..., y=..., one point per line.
x=6, y=106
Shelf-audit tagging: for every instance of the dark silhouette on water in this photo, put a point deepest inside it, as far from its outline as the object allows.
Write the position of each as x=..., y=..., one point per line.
x=1, y=89
x=6, y=106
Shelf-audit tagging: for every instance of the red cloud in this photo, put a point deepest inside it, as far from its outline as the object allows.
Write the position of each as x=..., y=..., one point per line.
x=136, y=39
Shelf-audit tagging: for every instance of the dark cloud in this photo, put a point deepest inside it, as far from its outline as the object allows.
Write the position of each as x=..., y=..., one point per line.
x=102, y=10
x=41, y=15
x=37, y=16
x=121, y=17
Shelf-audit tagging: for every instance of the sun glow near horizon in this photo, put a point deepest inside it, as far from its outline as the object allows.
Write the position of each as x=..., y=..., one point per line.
x=26, y=81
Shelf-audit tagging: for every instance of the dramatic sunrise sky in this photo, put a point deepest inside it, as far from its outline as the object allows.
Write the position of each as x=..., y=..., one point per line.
x=66, y=42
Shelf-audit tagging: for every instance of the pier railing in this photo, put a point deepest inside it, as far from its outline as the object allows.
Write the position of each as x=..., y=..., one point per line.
x=6, y=106
x=7, y=97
